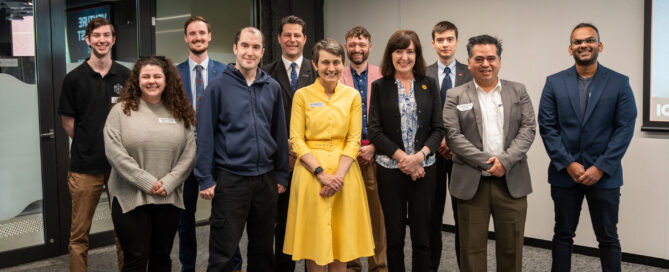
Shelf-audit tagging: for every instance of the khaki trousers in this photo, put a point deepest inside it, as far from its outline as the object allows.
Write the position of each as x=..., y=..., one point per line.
x=508, y=215
x=377, y=263
x=85, y=190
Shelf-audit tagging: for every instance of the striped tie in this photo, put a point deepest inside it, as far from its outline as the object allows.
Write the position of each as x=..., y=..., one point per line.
x=199, y=85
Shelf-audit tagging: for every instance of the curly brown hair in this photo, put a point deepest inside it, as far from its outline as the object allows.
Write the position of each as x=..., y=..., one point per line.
x=173, y=97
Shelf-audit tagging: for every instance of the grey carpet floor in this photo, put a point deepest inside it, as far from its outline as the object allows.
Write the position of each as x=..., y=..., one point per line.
x=534, y=259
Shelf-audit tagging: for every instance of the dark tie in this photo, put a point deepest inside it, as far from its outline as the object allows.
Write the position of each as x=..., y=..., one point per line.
x=199, y=85
x=293, y=77
x=445, y=85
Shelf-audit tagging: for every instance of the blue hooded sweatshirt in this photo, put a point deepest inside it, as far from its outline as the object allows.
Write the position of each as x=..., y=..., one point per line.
x=241, y=129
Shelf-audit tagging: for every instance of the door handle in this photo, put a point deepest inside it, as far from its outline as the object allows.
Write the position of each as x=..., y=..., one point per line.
x=49, y=135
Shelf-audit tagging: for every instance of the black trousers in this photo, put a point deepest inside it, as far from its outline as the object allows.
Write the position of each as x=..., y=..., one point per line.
x=284, y=262
x=399, y=195
x=146, y=235
x=443, y=176
x=240, y=201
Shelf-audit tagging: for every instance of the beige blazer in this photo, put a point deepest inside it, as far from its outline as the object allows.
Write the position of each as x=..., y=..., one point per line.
x=463, y=133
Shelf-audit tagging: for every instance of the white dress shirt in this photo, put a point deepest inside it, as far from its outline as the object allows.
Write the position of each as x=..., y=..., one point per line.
x=286, y=63
x=205, y=73
x=441, y=74
x=492, y=117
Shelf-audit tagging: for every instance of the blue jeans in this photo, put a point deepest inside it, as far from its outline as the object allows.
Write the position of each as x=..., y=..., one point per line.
x=603, y=204
x=187, y=239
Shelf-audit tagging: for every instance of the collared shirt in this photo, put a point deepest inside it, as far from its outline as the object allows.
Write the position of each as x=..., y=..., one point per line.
x=205, y=73
x=360, y=84
x=441, y=74
x=287, y=63
x=88, y=97
x=409, y=125
x=492, y=117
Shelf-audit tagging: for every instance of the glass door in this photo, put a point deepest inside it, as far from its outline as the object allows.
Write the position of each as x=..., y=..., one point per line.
x=28, y=214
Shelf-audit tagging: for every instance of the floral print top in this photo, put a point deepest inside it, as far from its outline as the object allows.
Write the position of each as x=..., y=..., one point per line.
x=409, y=125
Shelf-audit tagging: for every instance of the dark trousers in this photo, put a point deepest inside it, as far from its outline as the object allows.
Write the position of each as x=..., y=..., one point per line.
x=284, y=262
x=146, y=235
x=603, y=205
x=398, y=192
x=443, y=174
x=240, y=201
x=187, y=239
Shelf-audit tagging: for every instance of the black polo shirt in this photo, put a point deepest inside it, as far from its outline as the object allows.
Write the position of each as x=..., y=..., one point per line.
x=87, y=97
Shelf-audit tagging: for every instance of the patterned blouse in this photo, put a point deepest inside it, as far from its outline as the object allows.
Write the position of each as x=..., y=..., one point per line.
x=409, y=124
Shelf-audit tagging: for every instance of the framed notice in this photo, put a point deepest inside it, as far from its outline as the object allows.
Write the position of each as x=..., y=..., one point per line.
x=656, y=66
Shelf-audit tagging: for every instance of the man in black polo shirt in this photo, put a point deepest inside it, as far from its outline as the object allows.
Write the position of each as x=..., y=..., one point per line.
x=88, y=93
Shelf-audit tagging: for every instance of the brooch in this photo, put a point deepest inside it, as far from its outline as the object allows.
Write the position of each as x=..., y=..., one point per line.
x=424, y=87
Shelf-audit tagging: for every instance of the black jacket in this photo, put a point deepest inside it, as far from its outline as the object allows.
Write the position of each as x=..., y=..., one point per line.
x=384, y=125
x=278, y=72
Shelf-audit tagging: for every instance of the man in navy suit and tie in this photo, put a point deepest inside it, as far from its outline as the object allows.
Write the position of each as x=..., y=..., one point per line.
x=449, y=73
x=195, y=72
x=293, y=71
x=586, y=120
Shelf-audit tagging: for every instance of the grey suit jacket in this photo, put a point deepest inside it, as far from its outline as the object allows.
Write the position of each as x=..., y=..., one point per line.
x=462, y=76
x=464, y=137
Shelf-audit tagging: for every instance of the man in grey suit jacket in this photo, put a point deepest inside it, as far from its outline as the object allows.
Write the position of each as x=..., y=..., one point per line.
x=445, y=71
x=490, y=127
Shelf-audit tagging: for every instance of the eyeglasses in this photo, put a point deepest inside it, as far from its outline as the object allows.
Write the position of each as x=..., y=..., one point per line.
x=587, y=41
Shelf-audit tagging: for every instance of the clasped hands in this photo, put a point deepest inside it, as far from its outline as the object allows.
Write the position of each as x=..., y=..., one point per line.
x=331, y=183
x=412, y=165
x=579, y=174
x=497, y=169
x=158, y=189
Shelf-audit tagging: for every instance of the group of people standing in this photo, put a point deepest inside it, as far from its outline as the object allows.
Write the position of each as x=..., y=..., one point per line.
x=329, y=162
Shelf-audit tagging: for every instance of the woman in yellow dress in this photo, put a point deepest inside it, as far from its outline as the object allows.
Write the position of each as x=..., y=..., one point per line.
x=328, y=218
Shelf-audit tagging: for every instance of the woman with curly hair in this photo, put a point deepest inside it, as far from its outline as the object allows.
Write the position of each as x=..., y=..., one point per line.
x=150, y=144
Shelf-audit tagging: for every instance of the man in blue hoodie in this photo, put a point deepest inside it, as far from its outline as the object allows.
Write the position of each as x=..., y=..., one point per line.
x=241, y=132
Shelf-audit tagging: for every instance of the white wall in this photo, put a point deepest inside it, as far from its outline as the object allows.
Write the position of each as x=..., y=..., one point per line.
x=535, y=37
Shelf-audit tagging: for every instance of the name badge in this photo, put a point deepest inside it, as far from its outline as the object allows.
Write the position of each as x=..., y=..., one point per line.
x=167, y=121
x=114, y=99
x=465, y=107
x=316, y=105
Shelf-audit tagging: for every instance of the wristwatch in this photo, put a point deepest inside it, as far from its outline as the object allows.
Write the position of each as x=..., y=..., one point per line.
x=318, y=170
x=424, y=153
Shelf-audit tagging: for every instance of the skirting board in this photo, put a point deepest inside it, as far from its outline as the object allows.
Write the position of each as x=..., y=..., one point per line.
x=583, y=250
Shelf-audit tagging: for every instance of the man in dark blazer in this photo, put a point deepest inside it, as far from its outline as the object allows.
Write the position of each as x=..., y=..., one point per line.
x=293, y=71
x=490, y=127
x=197, y=36
x=586, y=120
x=449, y=73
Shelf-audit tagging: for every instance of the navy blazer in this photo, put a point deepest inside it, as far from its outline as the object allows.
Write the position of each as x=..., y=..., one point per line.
x=385, y=124
x=215, y=69
x=277, y=71
x=603, y=136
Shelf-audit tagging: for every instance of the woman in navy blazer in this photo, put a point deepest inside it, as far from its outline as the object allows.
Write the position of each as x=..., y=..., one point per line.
x=406, y=127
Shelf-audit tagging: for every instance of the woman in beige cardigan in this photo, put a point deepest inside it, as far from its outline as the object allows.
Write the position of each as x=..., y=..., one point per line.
x=150, y=143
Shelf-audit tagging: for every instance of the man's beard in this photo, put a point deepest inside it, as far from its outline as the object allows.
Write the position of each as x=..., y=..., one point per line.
x=364, y=58
x=587, y=62
x=199, y=52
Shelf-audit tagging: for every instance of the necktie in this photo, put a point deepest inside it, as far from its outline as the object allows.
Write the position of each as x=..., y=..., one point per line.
x=445, y=85
x=293, y=77
x=199, y=85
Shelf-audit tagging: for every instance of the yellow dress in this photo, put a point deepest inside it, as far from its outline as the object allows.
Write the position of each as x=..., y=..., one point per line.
x=324, y=229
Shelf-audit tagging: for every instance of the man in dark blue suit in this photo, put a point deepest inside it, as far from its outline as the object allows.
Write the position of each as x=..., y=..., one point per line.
x=195, y=72
x=586, y=120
